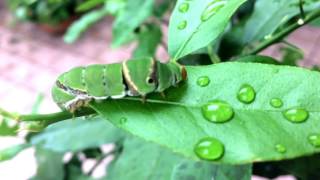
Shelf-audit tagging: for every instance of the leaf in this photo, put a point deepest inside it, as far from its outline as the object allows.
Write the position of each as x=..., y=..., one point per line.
x=11, y=152
x=291, y=55
x=80, y=26
x=76, y=135
x=89, y=4
x=158, y=163
x=134, y=14
x=177, y=123
x=269, y=16
x=149, y=38
x=197, y=33
x=8, y=127
x=50, y=165
x=258, y=59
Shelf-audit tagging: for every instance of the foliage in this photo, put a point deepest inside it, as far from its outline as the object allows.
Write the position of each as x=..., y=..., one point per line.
x=43, y=11
x=257, y=115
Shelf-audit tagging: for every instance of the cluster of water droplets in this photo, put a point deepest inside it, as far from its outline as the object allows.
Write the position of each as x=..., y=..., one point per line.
x=211, y=9
x=217, y=111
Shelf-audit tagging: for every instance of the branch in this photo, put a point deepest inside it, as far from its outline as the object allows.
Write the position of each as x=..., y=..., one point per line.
x=279, y=36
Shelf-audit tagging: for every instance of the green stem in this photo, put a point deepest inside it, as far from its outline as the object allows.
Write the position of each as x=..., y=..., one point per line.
x=279, y=36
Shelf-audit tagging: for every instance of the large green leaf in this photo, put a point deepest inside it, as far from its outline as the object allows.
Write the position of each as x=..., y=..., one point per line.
x=255, y=131
x=158, y=163
x=76, y=135
x=188, y=33
x=134, y=14
x=268, y=15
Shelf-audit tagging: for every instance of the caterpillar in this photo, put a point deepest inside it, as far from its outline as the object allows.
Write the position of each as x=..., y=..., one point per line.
x=74, y=89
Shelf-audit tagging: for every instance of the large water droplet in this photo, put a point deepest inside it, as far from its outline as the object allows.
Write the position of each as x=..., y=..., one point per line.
x=182, y=25
x=203, y=81
x=209, y=149
x=212, y=8
x=184, y=7
x=217, y=111
x=280, y=148
x=276, y=103
x=314, y=139
x=246, y=94
x=296, y=115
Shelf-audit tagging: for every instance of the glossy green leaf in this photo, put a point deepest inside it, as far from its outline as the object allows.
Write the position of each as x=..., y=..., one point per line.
x=11, y=152
x=156, y=163
x=149, y=39
x=49, y=165
x=269, y=16
x=255, y=130
x=76, y=135
x=134, y=14
x=188, y=33
x=80, y=26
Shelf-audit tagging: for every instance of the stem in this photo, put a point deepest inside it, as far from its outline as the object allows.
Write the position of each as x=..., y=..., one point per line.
x=213, y=56
x=277, y=37
x=301, y=2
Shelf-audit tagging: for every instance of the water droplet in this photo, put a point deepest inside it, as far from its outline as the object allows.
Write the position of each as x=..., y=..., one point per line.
x=182, y=25
x=203, y=81
x=276, y=103
x=296, y=115
x=300, y=22
x=212, y=8
x=314, y=139
x=246, y=94
x=184, y=7
x=209, y=149
x=217, y=111
x=123, y=120
x=280, y=148
x=269, y=36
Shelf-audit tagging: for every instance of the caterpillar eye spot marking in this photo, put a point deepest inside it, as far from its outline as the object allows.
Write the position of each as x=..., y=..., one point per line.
x=79, y=86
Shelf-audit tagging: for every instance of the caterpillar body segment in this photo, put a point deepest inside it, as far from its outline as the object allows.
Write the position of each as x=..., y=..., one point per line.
x=76, y=88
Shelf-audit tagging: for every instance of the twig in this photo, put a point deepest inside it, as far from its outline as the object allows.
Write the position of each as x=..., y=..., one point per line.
x=301, y=2
x=277, y=37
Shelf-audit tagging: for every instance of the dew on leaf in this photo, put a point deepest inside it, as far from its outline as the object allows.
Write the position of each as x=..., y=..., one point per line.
x=246, y=94
x=314, y=140
x=209, y=148
x=217, y=111
x=184, y=7
x=203, y=81
x=182, y=25
x=212, y=8
x=269, y=36
x=276, y=103
x=296, y=115
x=280, y=148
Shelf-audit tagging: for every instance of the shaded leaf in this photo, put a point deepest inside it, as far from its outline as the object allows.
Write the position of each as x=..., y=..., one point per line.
x=195, y=33
x=291, y=55
x=158, y=163
x=269, y=15
x=254, y=131
x=149, y=38
x=76, y=135
x=49, y=165
x=134, y=14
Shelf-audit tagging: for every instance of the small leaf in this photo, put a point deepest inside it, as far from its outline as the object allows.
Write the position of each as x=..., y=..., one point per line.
x=8, y=127
x=80, y=26
x=11, y=152
x=76, y=135
x=252, y=134
x=134, y=14
x=291, y=55
x=149, y=38
x=89, y=4
x=158, y=163
x=193, y=27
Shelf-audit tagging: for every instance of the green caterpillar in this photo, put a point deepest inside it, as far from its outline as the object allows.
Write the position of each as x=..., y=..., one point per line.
x=76, y=88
